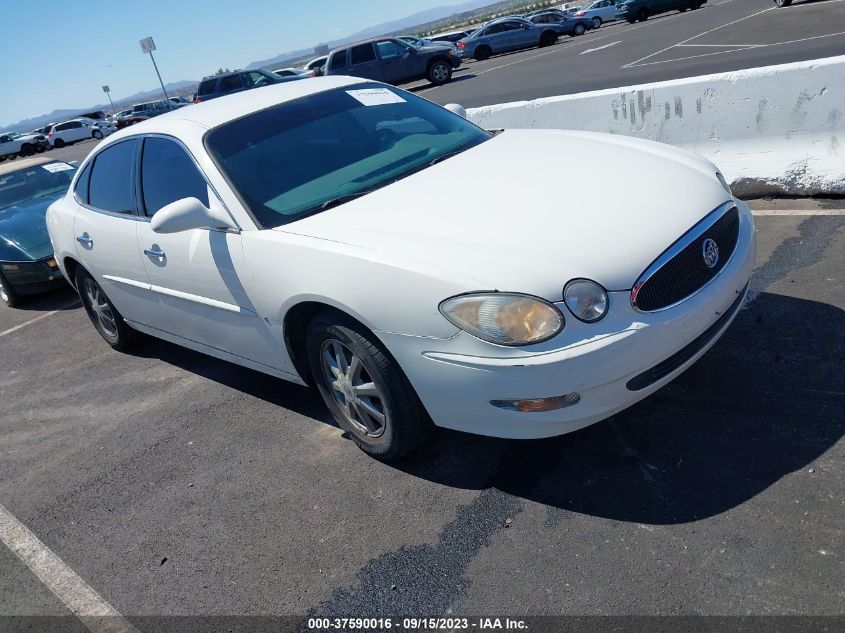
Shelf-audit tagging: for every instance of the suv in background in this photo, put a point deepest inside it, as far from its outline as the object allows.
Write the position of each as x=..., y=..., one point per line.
x=634, y=10
x=143, y=111
x=391, y=60
x=229, y=83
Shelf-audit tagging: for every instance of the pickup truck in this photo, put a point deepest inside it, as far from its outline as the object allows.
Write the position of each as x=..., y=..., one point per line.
x=12, y=145
x=391, y=60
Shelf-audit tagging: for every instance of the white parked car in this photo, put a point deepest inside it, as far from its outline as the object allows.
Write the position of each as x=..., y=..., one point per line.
x=308, y=230
x=69, y=132
x=105, y=126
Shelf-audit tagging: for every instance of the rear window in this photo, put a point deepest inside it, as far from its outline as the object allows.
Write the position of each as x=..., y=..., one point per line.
x=206, y=87
x=110, y=187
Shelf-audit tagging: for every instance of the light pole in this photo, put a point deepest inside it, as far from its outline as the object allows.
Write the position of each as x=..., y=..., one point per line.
x=107, y=90
x=148, y=46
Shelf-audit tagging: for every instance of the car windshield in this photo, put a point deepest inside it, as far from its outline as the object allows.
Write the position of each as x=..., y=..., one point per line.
x=33, y=182
x=304, y=156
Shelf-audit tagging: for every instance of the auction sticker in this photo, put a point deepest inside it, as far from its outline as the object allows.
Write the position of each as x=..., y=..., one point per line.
x=375, y=96
x=55, y=167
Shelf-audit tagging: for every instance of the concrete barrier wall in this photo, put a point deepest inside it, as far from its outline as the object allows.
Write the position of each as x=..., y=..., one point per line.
x=771, y=130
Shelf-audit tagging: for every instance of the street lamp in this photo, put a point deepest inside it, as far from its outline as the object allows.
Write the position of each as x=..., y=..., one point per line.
x=148, y=46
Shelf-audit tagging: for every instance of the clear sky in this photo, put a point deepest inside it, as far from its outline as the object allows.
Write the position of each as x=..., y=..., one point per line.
x=59, y=53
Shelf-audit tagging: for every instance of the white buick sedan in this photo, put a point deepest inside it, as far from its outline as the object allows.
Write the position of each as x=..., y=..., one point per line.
x=417, y=269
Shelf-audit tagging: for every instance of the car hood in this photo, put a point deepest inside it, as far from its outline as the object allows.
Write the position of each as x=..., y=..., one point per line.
x=529, y=210
x=23, y=230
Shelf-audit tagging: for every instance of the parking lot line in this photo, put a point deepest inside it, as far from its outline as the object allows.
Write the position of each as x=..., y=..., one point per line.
x=85, y=603
x=37, y=319
x=689, y=39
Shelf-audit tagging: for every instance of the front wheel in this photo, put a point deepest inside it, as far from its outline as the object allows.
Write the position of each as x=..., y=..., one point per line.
x=364, y=388
x=439, y=73
x=482, y=53
x=97, y=134
x=596, y=22
x=579, y=29
x=105, y=317
x=8, y=294
x=642, y=16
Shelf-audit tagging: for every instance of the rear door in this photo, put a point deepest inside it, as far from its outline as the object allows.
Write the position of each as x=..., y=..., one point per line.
x=363, y=62
x=105, y=228
x=230, y=84
x=521, y=35
x=338, y=62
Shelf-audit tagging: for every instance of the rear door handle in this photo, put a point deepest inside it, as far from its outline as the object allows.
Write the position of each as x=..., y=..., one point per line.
x=154, y=251
x=84, y=239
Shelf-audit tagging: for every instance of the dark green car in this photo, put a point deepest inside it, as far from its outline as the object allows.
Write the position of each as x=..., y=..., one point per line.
x=641, y=10
x=27, y=188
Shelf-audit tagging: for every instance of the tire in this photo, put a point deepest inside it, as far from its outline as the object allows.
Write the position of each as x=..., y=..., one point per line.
x=105, y=317
x=547, y=38
x=439, y=72
x=642, y=16
x=631, y=20
x=483, y=52
x=58, y=143
x=782, y=4
x=343, y=353
x=97, y=134
x=696, y=4
x=8, y=294
x=27, y=150
x=597, y=22
x=579, y=29
x=2, y=158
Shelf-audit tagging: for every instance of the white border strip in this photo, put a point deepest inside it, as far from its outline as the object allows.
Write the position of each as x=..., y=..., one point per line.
x=85, y=603
x=206, y=301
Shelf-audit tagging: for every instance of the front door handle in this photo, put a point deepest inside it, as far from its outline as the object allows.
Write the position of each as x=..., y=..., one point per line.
x=154, y=251
x=85, y=239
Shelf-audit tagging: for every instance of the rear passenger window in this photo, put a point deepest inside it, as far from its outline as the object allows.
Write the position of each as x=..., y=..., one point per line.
x=232, y=82
x=110, y=186
x=362, y=54
x=338, y=60
x=168, y=174
x=81, y=189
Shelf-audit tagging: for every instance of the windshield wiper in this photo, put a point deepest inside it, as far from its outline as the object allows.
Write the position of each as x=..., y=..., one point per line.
x=334, y=202
x=442, y=157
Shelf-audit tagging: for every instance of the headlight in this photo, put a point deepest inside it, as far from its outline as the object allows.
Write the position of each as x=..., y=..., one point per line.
x=586, y=299
x=506, y=319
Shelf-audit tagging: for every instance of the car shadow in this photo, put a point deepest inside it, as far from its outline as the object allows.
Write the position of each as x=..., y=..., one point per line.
x=765, y=401
x=62, y=298
x=426, y=86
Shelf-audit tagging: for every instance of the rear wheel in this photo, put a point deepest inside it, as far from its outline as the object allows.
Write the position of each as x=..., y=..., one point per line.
x=548, y=38
x=103, y=314
x=579, y=29
x=439, y=72
x=483, y=52
x=596, y=22
x=58, y=143
x=364, y=388
x=97, y=134
x=8, y=294
x=642, y=16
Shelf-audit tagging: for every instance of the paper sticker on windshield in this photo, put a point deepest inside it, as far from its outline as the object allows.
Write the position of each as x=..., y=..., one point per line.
x=55, y=167
x=375, y=96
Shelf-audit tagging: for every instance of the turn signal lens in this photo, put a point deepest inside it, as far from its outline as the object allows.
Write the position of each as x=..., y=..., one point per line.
x=505, y=319
x=536, y=405
x=585, y=299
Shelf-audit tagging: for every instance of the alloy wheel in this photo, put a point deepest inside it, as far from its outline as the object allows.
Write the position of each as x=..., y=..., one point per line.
x=100, y=307
x=440, y=73
x=359, y=398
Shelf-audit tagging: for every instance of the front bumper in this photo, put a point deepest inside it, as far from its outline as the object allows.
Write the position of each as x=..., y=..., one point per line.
x=611, y=364
x=33, y=277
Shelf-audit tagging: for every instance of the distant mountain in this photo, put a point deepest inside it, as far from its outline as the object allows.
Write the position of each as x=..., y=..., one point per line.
x=177, y=87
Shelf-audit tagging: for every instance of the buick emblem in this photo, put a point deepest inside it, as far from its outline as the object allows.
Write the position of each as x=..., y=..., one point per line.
x=710, y=252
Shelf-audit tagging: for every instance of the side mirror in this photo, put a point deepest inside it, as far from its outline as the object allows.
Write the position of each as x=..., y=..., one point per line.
x=456, y=108
x=187, y=214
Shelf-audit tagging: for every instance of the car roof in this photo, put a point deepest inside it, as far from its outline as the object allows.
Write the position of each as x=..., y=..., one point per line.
x=210, y=114
x=26, y=163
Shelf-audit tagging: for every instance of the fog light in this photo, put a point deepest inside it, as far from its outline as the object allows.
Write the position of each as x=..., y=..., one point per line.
x=51, y=263
x=533, y=405
x=11, y=267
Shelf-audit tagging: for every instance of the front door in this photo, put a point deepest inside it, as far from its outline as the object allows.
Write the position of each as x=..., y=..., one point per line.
x=198, y=275
x=399, y=62
x=105, y=229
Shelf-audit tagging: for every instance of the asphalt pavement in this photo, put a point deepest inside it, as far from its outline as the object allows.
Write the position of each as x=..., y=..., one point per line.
x=174, y=483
